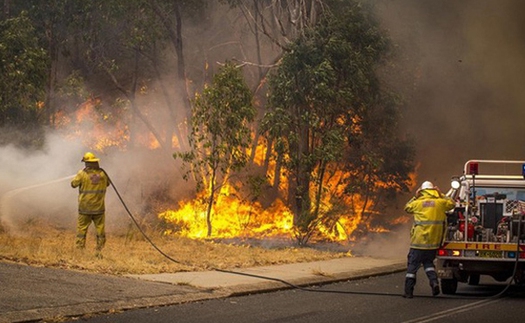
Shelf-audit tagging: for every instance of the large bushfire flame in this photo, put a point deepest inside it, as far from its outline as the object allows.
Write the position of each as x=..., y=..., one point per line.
x=233, y=216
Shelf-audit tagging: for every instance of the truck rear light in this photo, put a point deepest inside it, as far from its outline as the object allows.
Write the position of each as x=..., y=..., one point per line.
x=445, y=252
x=473, y=168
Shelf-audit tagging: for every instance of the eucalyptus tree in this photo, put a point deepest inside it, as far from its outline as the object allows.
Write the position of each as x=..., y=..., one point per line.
x=325, y=99
x=220, y=133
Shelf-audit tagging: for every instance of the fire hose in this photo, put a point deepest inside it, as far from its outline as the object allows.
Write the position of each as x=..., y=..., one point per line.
x=287, y=283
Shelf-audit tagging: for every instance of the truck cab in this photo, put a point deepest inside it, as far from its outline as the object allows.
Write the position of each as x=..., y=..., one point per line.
x=486, y=229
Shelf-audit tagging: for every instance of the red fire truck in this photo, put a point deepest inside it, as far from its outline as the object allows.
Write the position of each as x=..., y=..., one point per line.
x=486, y=230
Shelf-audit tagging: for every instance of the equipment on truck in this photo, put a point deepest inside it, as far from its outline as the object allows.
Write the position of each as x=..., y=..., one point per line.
x=485, y=231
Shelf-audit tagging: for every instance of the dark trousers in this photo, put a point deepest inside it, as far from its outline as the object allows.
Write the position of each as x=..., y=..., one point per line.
x=416, y=258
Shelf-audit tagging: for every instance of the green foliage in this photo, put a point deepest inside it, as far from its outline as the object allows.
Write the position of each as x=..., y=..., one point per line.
x=220, y=119
x=23, y=66
x=132, y=30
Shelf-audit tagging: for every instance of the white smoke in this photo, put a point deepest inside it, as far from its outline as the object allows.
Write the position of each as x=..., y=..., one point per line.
x=392, y=245
x=35, y=184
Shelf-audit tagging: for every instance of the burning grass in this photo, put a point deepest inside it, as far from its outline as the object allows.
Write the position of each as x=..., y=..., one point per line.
x=130, y=253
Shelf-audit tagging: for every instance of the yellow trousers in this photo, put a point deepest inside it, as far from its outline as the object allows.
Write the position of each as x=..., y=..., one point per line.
x=83, y=224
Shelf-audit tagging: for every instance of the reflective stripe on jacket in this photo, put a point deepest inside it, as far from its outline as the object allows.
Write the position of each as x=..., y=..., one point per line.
x=92, y=184
x=430, y=219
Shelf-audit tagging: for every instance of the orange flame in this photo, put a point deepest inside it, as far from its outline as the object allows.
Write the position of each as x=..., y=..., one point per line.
x=97, y=129
x=232, y=216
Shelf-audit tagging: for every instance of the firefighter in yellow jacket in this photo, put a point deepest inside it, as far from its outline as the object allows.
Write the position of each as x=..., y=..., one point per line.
x=429, y=208
x=92, y=182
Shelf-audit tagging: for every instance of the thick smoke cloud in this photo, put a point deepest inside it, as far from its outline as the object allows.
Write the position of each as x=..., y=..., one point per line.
x=465, y=63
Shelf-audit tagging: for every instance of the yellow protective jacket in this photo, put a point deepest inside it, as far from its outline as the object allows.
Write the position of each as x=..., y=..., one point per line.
x=92, y=184
x=430, y=220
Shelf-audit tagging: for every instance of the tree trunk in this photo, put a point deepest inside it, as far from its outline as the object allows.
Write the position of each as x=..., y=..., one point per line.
x=302, y=188
x=131, y=97
x=211, y=201
x=50, y=86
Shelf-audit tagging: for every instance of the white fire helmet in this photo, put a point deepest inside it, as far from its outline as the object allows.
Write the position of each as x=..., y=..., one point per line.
x=427, y=185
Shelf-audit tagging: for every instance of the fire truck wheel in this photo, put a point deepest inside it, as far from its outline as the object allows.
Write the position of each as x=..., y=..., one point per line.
x=473, y=279
x=449, y=286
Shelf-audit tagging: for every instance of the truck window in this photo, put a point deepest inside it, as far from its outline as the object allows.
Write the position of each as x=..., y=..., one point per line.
x=509, y=193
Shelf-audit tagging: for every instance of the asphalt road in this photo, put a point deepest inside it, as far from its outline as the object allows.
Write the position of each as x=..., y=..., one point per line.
x=374, y=299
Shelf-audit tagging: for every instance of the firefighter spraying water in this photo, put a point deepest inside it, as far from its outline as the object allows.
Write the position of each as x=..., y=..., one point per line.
x=92, y=182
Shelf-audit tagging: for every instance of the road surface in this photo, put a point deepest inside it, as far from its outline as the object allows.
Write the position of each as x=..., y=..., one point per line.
x=369, y=300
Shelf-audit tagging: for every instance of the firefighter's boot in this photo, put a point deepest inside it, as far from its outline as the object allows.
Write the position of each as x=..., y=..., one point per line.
x=101, y=241
x=410, y=283
x=435, y=288
x=80, y=241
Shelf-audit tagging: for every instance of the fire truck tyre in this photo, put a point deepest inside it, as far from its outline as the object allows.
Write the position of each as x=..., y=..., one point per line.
x=473, y=279
x=449, y=286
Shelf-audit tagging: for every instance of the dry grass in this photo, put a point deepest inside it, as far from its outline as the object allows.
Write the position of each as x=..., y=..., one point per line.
x=132, y=254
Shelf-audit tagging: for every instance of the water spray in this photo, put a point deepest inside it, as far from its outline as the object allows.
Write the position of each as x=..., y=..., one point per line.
x=4, y=201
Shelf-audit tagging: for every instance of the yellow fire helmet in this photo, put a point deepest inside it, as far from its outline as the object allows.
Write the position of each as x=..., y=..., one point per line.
x=89, y=157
